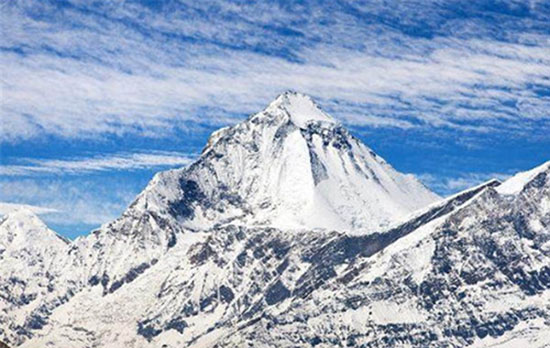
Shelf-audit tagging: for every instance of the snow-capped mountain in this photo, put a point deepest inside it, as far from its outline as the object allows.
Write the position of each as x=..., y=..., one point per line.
x=470, y=270
x=23, y=234
x=291, y=166
x=288, y=232
x=28, y=249
x=477, y=276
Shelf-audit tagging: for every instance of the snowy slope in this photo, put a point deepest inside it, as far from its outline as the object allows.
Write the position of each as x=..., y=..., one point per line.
x=478, y=276
x=290, y=166
x=517, y=183
x=234, y=285
x=470, y=270
x=27, y=251
x=287, y=231
x=22, y=232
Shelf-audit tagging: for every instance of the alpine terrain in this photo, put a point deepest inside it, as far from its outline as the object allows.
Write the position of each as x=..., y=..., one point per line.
x=288, y=232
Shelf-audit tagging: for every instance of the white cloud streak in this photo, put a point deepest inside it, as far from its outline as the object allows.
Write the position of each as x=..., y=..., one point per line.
x=102, y=76
x=124, y=161
x=450, y=185
x=69, y=202
x=6, y=208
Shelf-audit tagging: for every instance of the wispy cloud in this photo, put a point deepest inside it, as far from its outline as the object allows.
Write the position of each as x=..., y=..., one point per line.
x=70, y=202
x=449, y=185
x=126, y=68
x=6, y=208
x=122, y=161
x=69, y=197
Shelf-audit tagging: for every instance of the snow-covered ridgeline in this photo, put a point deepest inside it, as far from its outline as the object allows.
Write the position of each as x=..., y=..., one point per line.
x=290, y=166
x=287, y=230
x=235, y=285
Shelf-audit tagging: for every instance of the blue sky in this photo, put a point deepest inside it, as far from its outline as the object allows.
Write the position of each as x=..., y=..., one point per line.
x=97, y=96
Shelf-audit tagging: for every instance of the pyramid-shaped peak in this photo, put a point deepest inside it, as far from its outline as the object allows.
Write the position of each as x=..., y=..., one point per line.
x=290, y=166
x=300, y=107
x=23, y=226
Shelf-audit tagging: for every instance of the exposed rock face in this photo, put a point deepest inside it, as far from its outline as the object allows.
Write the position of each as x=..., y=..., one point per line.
x=477, y=276
x=287, y=232
x=28, y=249
x=290, y=166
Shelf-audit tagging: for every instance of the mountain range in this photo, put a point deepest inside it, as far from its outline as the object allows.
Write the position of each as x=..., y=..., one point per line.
x=287, y=231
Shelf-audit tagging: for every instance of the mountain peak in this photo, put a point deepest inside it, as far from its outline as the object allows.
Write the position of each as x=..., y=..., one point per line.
x=284, y=168
x=23, y=226
x=300, y=108
x=516, y=183
x=23, y=216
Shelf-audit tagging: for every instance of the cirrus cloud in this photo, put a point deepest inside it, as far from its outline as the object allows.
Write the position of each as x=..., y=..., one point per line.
x=81, y=71
x=104, y=163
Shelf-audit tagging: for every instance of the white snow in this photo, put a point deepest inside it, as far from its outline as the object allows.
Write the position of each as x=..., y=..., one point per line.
x=300, y=108
x=515, y=184
x=6, y=208
x=532, y=333
x=291, y=167
x=24, y=229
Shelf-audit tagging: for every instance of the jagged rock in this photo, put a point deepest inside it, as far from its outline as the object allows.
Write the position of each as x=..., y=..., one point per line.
x=286, y=232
